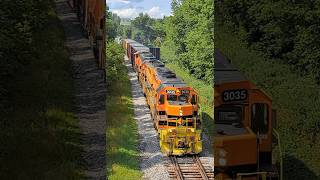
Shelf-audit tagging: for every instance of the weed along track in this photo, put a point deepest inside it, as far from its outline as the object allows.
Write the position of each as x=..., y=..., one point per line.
x=192, y=167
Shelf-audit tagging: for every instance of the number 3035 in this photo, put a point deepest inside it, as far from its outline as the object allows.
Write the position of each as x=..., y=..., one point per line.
x=235, y=95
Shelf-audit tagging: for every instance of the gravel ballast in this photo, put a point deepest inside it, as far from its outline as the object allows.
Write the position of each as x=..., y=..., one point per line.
x=152, y=161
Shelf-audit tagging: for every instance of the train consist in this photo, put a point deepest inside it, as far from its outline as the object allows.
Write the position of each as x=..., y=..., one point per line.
x=92, y=15
x=246, y=143
x=174, y=106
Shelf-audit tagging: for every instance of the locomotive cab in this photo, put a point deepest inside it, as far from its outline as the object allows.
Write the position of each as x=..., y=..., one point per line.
x=177, y=107
x=178, y=121
x=243, y=144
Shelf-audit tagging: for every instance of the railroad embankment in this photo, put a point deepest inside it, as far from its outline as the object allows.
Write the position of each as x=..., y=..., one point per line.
x=122, y=131
x=89, y=92
x=152, y=161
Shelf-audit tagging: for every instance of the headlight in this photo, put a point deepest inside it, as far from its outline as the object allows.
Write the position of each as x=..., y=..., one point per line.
x=222, y=153
x=222, y=161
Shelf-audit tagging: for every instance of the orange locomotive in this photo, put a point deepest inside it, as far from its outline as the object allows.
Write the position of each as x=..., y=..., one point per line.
x=92, y=14
x=245, y=138
x=174, y=106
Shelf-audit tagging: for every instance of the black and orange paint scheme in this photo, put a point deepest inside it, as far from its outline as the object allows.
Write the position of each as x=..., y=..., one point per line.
x=174, y=106
x=245, y=139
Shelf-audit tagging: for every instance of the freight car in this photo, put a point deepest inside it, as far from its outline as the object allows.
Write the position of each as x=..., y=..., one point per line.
x=245, y=140
x=92, y=14
x=174, y=106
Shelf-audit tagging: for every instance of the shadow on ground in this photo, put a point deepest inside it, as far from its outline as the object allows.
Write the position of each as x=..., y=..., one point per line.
x=294, y=169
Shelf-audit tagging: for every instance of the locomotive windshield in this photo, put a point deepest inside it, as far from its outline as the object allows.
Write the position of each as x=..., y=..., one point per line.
x=228, y=115
x=174, y=99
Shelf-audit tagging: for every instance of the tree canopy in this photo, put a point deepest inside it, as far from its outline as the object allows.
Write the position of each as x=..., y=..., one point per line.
x=286, y=30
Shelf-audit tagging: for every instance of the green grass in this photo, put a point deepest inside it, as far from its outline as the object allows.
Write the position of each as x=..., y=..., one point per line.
x=40, y=138
x=204, y=89
x=295, y=98
x=122, y=135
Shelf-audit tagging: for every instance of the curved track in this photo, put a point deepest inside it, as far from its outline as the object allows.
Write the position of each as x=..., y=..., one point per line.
x=191, y=168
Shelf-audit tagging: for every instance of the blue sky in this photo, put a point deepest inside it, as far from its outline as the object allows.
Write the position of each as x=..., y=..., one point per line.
x=132, y=8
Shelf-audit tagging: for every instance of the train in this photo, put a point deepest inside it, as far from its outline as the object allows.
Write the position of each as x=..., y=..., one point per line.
x=174, y=106
x=92, y=15
x=246, y=143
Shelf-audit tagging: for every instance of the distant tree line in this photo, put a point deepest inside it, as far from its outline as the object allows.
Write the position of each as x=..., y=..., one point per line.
x=285, y=30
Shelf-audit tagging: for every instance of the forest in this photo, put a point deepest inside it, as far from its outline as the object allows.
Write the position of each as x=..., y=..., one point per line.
x=276, y=45
x=188, y=34
x=283, y=30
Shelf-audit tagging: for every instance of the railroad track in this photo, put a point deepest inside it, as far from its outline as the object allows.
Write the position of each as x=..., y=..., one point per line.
x=191, y=168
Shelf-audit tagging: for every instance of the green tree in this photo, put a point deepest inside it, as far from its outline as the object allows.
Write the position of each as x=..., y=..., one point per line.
x=191, y=31
x=113, y=26
x=144, y=27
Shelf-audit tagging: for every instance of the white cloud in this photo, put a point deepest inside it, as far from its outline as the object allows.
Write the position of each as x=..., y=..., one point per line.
x=118, y=1
x=126, y=13
x=154, y=12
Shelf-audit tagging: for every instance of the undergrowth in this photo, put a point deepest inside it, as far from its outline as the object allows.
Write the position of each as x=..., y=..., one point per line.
x=122, y=132
x=39, y=132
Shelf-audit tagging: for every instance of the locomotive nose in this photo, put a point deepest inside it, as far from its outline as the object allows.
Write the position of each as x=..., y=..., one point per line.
x=175, y=110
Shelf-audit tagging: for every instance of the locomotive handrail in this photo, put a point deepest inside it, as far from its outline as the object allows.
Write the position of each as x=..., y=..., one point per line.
x=275, y=133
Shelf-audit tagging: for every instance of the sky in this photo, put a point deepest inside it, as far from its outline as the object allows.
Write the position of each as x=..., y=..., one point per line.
x=132, y=8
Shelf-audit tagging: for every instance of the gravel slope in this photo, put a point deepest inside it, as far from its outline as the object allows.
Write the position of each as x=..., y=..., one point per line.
x=90, y=94
x=152, y=162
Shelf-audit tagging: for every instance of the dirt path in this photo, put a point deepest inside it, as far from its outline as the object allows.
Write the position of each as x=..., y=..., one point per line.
x=90, y=93
x=152, y=162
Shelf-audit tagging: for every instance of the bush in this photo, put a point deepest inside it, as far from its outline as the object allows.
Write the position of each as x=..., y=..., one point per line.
x=114, y=63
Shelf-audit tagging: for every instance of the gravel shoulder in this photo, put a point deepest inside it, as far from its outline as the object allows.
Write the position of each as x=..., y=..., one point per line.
x=90, y=94
x=152, y=161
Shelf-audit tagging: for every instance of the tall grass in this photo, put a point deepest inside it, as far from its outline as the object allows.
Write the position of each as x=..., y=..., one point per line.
x=122, y=135
x=296, y=99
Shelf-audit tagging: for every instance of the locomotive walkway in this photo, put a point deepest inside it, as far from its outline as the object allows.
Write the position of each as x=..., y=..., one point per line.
x=152, y=161
x=89, y=92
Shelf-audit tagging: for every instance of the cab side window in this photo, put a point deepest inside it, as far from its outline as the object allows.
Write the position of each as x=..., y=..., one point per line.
x=161, y=99
x=260, y=118
x=194, y=100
